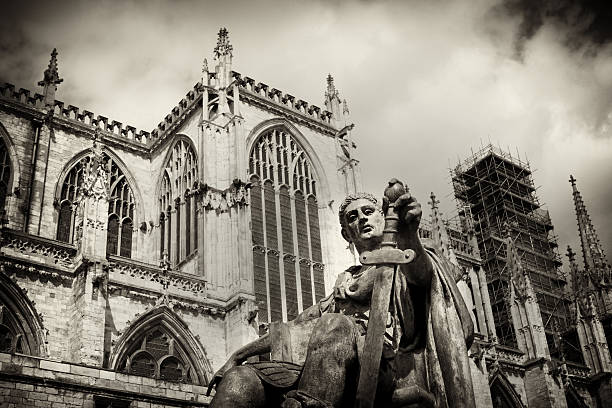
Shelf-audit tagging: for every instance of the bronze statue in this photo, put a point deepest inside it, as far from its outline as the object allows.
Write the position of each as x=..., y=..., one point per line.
x=424, y=328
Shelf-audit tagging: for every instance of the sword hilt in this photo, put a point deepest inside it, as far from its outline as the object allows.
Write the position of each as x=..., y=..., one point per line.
x=394, y=190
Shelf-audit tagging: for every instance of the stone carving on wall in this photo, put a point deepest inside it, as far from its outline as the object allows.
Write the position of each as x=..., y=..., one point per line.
x=155, y=275
x=236, y=195
x=96, y=183
x=54, y=254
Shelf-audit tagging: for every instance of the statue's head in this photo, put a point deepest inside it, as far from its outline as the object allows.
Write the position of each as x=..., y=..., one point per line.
x=362, y=221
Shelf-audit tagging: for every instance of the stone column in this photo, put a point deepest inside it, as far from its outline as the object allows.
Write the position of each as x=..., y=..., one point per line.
x=225, y=244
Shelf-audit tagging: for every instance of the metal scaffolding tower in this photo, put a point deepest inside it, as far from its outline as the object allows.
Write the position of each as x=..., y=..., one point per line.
x=498, y=190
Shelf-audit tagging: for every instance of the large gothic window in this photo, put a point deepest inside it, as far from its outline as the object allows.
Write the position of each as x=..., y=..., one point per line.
x=120, y=206
x=178, y=221
x=5, y=174
x=287, y=258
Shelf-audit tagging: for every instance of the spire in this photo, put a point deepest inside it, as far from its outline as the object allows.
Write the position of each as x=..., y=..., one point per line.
x=433, y=203
x=331, y=88
x=222, y=77
x=595, y=262
x=332, y=101
x=223, y=48
x=50, y=80
x=439, y=233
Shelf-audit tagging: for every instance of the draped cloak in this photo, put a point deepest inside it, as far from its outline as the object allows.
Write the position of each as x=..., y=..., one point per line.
x=433, y=326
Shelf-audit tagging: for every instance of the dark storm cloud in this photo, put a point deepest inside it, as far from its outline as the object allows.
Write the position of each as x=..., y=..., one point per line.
x=585, y=24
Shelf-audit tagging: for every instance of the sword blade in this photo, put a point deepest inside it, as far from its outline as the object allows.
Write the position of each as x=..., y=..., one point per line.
x=372, y=350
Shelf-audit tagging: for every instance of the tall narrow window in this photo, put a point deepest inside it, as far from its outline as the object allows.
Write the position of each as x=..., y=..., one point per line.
x=5, y=174
x=179, y=209
x=285, y=227
x=126, y=238
x=121, y=209
x=180, y=172
x=112, y=235
x=162, y=233
x=68, y=196
x=188, y=222
x=120, y=206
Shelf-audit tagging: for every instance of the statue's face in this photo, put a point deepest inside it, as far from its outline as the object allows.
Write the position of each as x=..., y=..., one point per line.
x=364, y=224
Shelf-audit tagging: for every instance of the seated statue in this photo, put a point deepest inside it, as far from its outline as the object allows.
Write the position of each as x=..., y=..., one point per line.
x=424, y=361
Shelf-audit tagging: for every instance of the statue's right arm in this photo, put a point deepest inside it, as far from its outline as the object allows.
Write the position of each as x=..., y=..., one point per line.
x=254, y=348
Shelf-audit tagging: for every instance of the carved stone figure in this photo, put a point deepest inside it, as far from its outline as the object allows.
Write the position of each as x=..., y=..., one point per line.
x=425, y=329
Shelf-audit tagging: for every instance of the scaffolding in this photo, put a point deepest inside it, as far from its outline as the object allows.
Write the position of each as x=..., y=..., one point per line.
x=498, y=190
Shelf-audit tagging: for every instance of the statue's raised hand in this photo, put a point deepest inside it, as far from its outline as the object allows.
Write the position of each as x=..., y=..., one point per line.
x=407, y=208
x=410, y=212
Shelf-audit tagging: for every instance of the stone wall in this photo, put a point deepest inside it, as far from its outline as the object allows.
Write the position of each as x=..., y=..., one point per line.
x=35, y=382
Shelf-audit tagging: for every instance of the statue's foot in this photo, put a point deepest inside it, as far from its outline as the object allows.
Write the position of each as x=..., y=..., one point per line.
x=300, y=399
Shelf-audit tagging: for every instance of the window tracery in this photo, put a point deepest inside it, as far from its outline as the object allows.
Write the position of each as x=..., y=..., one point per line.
x=160, y=345
x=121, y=205
x=155, y=357
x=285, y=227
x=178, y=221
x=121, y=212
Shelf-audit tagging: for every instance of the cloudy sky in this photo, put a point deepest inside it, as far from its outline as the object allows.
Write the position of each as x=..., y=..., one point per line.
x=427, y=82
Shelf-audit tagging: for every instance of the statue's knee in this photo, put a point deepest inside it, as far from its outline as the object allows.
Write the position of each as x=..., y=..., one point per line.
x=239, y=373
x=239, y=388
x=333, y=327
x=240, y=382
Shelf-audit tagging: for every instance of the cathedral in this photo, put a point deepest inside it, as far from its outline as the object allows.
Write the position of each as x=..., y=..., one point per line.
x=133, y=263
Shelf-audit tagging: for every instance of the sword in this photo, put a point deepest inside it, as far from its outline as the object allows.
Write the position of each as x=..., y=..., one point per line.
x=387, y=259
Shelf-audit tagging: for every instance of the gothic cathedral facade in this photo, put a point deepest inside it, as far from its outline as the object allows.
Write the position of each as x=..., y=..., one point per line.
x=132, y=263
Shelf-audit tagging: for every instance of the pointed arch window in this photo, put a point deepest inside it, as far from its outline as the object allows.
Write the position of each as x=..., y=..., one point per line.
x=121, y=211
x=157, y=355
x=68, y=196
x=160, y=345
x=120, y=206
x=503, y=394
x=178, y=221
x=287, y=259
x=5, y=174
x=20, y=325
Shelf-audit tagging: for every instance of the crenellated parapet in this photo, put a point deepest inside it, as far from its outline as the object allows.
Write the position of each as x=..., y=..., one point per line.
x=258, y=94
x=284, y=104
x=71, y=115
x=177, y=115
